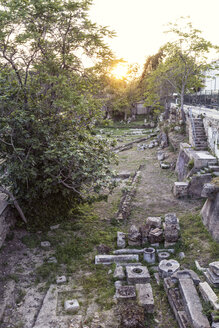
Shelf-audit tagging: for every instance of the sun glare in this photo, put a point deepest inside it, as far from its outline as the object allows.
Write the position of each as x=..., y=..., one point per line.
x=120, y=71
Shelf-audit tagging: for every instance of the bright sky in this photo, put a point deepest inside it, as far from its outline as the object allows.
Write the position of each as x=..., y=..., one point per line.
x=139, y=24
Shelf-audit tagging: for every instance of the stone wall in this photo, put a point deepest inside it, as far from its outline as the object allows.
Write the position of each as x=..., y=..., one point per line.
x=211, y=125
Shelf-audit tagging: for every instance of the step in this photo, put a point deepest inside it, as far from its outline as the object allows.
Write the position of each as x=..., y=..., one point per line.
x=214, y=168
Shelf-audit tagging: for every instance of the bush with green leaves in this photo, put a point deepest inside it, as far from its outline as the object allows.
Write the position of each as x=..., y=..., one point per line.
x=49, y=103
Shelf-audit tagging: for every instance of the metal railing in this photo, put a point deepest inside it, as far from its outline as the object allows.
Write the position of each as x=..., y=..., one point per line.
x=206, y=98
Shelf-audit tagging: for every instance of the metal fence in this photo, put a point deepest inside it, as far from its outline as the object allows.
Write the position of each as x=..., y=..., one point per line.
x=206, y=98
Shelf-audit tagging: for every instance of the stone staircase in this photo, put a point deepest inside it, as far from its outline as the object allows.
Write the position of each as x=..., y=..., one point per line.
x=199, y=136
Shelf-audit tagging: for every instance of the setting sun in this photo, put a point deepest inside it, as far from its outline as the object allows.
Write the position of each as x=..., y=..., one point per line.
x=120, y=71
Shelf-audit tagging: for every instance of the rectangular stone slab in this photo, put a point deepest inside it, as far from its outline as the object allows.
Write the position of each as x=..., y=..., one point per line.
x=137, y=275
x=145, y=297
x=209, y=295
x=192, y=304
x=109, y=259
x=128, y=251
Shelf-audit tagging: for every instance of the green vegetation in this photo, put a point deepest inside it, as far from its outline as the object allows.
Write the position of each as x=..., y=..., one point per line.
x=50, y=104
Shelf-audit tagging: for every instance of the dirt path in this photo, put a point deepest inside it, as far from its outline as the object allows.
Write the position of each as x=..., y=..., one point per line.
x=26, y=278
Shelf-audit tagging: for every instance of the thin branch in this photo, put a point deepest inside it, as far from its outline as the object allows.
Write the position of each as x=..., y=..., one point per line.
x=15, y=202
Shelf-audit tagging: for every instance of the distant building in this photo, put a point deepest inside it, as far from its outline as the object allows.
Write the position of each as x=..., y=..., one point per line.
x=212, y=78
x=140, y=109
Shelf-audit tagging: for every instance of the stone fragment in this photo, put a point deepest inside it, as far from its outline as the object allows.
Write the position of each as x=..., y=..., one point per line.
x=210, y=216
x=171, y=218
x=134, y=236
x=144, y=230
x=155, y=235
x=192, y=304
x=55, y=227
x=61, y=279
x=169, y=250
x=215, y=325
x=119, y=273
x=168, y=267
x=121, y=239
x=198, y=266
x=180, y=189
x=45, y=244
x=171, y=233
x=149, y=255
x=181, y=255
x=118, y=283
x=211, y=277
x=125, y=292
x=209, y=190
x=163, y=256
x=108, y=259
x=71, y=306
x=186, y=273
x=153, y=222
x=128, y=251
x=52, y=259
x=209, y=295
x=145, y=297
x=130, y=264
x=157, y=278
x=161, y=156
x=164, y=166
x=214, y=266
x=167, y=244
x=137, y=275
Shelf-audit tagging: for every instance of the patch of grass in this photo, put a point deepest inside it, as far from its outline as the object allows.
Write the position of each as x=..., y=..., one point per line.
x=20, y=295
x=31, y=240
x=100, y=282
x=14, y=277
x=47, y=271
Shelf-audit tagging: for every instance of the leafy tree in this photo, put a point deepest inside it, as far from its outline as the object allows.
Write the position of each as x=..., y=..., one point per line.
x=183, y=64
x=48, y=103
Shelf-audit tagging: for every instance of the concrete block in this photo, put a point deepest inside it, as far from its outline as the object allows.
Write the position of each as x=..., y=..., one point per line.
x=71, y=306
x=168, y=267
x=125, y=293
x=192, y=304
x=109, y=259
x=137, y=275
x=145, y=297
x=209, y=295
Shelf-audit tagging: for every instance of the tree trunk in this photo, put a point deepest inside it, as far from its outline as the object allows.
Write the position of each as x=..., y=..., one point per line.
x=182, y=105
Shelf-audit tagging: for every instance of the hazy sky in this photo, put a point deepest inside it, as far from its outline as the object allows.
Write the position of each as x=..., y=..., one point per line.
x=139, y=24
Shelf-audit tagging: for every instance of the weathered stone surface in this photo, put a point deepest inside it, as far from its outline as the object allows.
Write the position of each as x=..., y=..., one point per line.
x=134, y=236
x=61, y=279
x=132, y=316
x=171, y=233
x=137, y=275
x=125, y=292
x=71, y=306
x=214, y=266
x=149, y=255
x=171, y=219
x=128, y=251
x=119, y=273
x=121, y=239
x=164, y=165
x=168, y=267
x=180, y=189
x=192, y=304
x=209, y=190
x=161, y=156
x=153, y=222
x=209, y=295
x=45, y=244
x=212, y=278
x=155, y=235
x=186, y=273
x=163, y=140
x=197, y=183
x=210, y=216
x=145, y=297
x=163, y=256
x=108, y=259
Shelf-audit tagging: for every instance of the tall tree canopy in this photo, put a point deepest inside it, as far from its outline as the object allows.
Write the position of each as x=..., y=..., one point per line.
x=48, y=105
x=182, y=65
